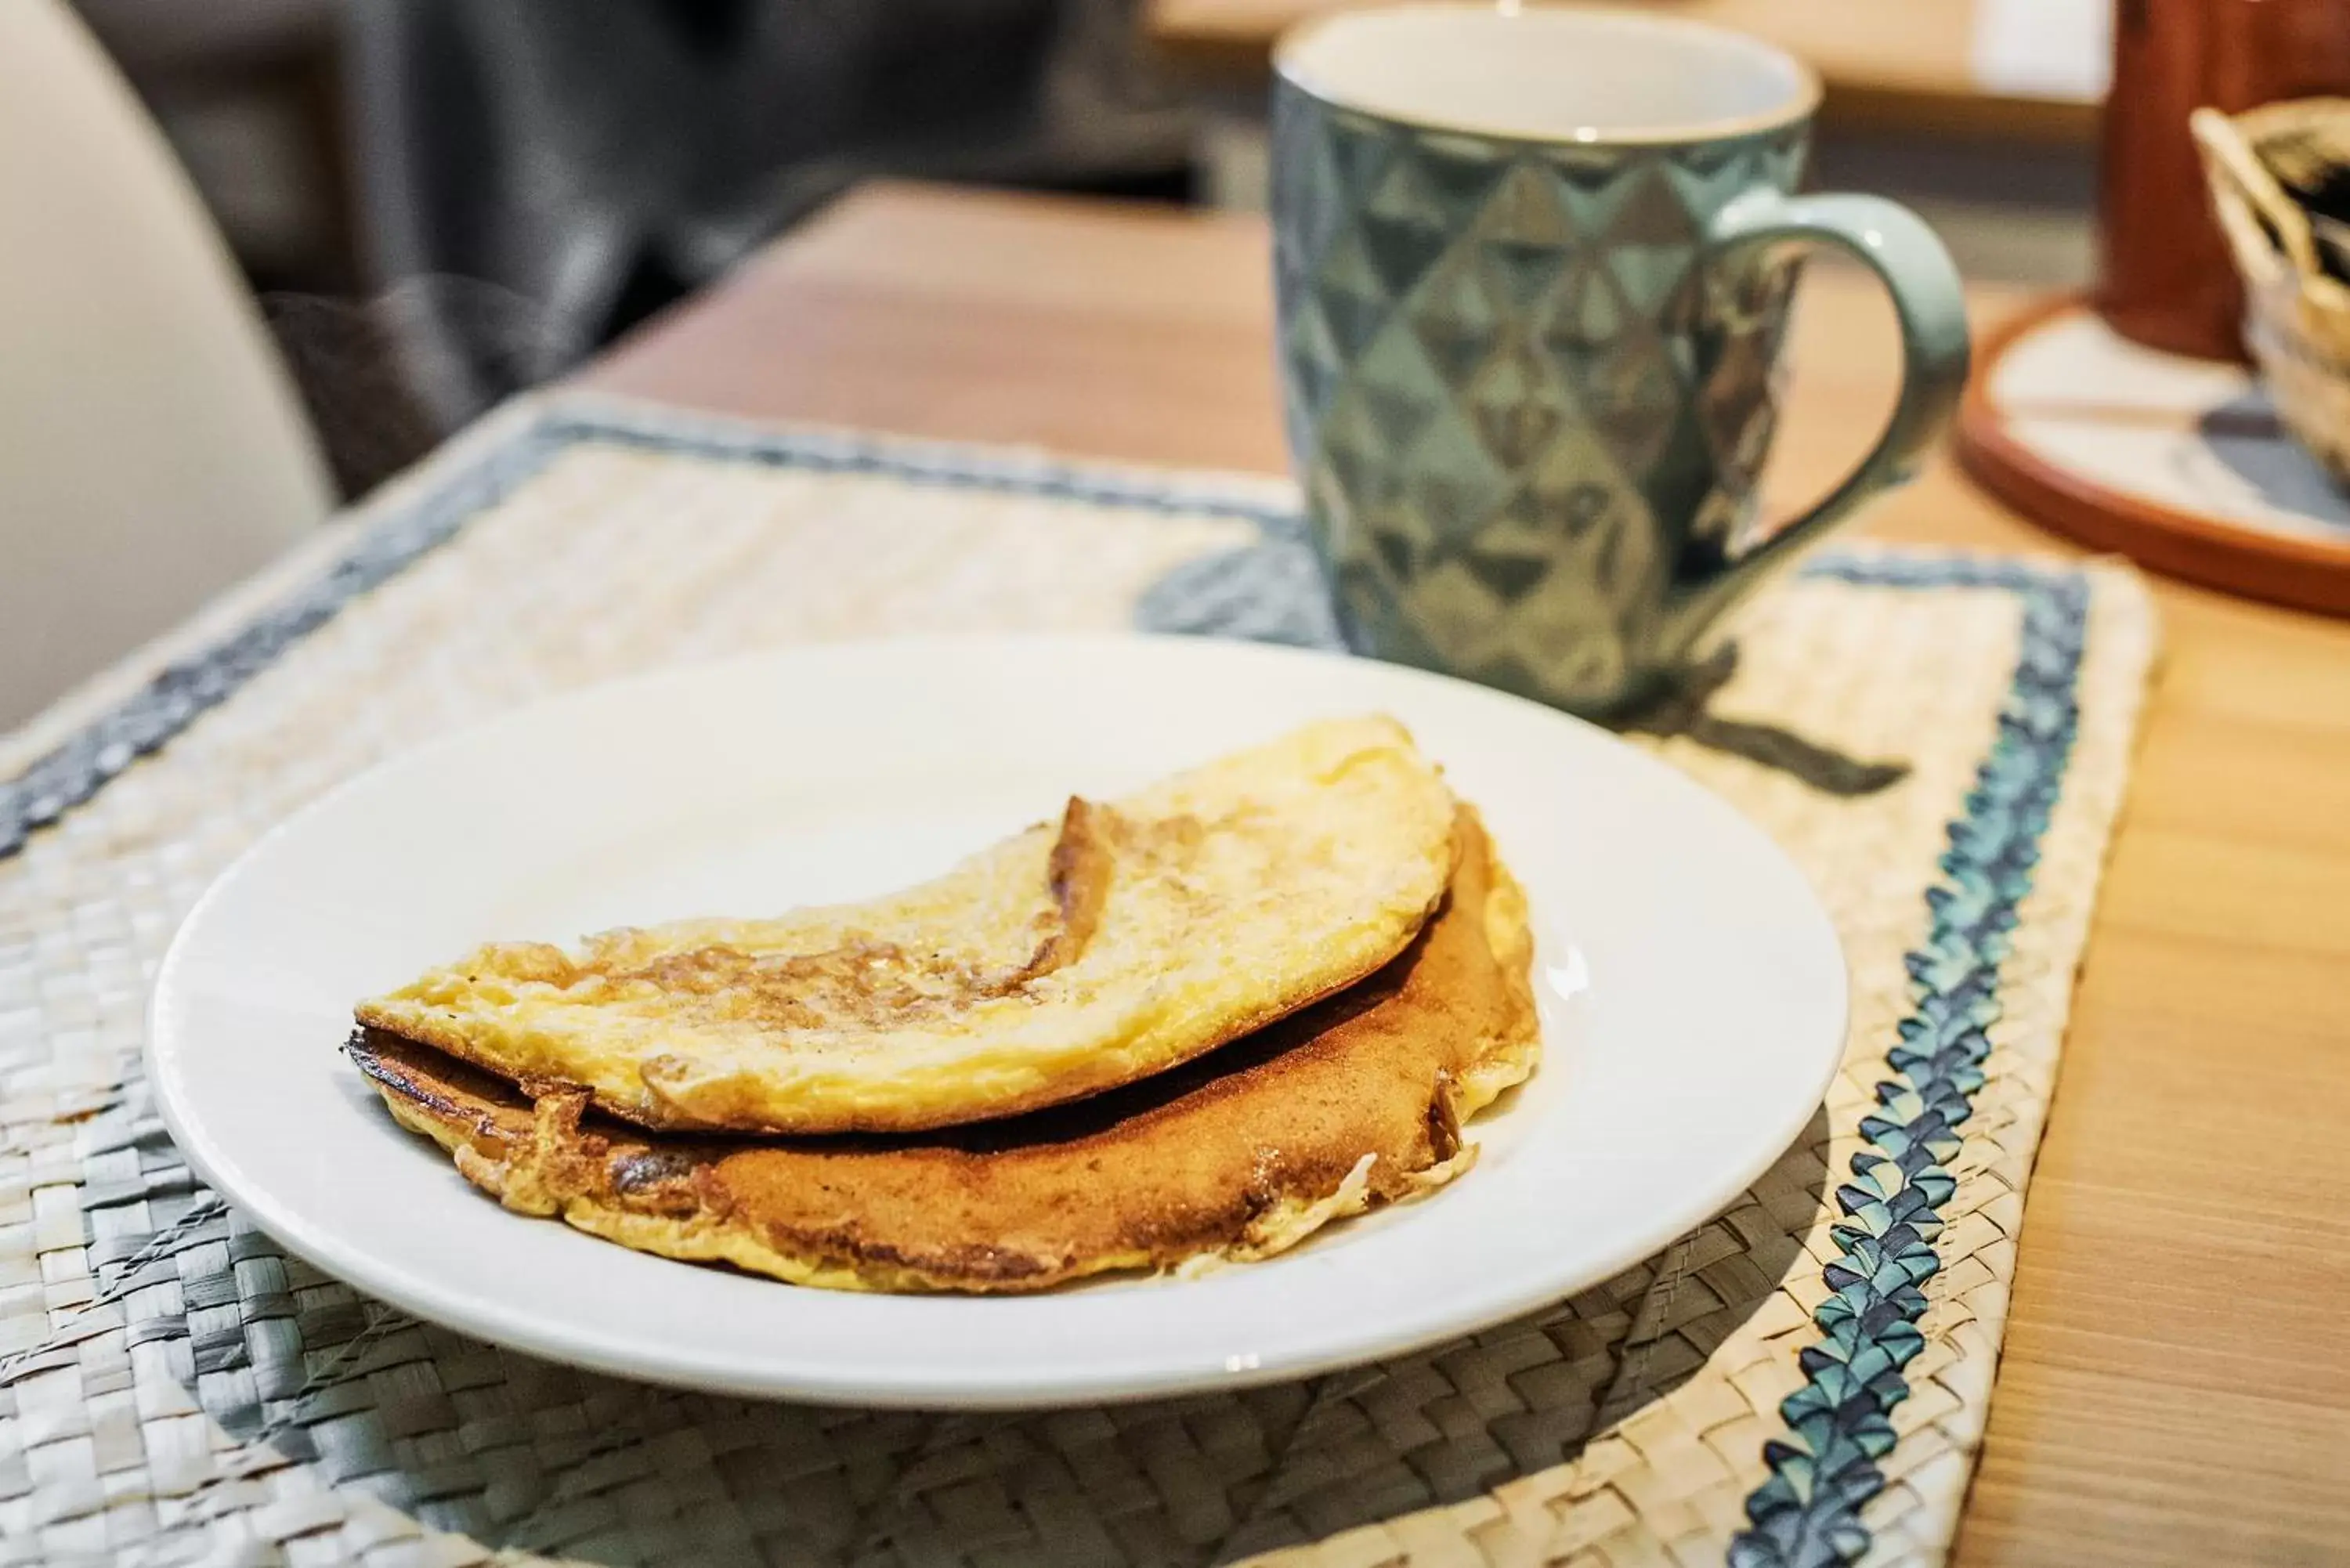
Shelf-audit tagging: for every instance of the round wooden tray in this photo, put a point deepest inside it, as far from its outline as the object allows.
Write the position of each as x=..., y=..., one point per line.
x=2179, y=464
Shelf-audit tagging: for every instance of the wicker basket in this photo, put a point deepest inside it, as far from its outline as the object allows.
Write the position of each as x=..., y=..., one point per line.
x=2297, y=314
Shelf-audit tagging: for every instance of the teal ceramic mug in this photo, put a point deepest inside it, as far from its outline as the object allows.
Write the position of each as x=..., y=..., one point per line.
x=1533, y=268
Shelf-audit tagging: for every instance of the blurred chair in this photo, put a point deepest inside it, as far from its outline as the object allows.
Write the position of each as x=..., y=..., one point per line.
x=153, y=449
x=543, y=176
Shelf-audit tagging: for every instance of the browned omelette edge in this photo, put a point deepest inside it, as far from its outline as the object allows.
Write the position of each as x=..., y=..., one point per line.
x=1079, y=870
x=695, y=1198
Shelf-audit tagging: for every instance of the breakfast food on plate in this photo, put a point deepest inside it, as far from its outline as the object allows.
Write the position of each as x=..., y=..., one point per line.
x=1194, y=1025
x=1354, y=1101
x=1123, y=941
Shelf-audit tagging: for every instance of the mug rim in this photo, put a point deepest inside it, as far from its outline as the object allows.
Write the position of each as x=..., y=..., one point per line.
x=1801, y=106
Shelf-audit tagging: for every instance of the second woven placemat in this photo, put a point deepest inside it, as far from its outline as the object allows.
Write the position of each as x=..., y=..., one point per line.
x=1802, y=1380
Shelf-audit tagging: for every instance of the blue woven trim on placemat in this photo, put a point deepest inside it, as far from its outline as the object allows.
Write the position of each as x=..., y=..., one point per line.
x=1839, y=1423
x=1839, y=1426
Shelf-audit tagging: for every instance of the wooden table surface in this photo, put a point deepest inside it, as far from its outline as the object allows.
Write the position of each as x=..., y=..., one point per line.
x=1906, y=65
x=2177, y=1382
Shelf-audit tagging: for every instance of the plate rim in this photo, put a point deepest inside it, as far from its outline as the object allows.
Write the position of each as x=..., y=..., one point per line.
x=476, y=1313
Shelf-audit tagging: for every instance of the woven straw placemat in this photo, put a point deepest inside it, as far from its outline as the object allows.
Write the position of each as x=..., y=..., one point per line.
x=1802, y=1380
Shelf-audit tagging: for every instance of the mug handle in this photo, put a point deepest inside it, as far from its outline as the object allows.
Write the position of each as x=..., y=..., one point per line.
x=1931, y=304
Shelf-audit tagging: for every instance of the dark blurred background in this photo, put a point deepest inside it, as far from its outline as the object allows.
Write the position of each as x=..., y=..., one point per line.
x=440, y=201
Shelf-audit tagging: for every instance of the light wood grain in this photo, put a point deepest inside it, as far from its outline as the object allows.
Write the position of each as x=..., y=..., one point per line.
x=1906, y=66
x=2177, y=1382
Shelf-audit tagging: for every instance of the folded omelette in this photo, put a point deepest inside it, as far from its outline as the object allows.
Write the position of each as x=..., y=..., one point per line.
x=1126, y=938
x=1354, y=1101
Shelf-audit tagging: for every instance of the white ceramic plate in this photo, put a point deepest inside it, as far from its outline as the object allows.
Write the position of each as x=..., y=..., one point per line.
x=1693, y=999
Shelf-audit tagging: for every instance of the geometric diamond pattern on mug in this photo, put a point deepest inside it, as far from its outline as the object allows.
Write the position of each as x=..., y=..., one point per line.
x=1506, y=364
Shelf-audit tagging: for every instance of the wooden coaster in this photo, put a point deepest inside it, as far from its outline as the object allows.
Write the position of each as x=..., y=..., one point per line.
x=2181, y=464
